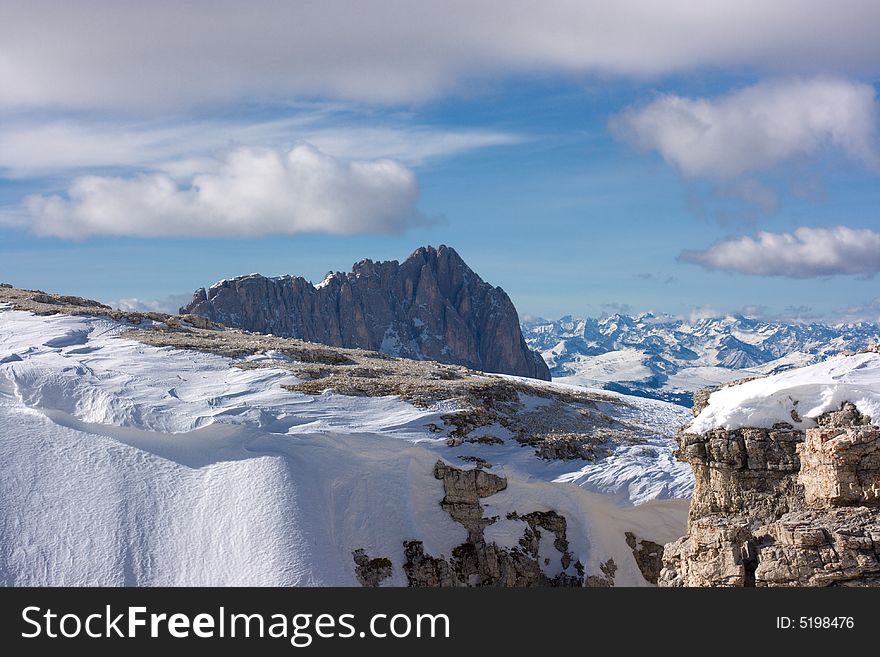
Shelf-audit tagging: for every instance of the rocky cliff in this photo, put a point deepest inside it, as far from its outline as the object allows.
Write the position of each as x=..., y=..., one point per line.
x=432, y=306
x=782, y=506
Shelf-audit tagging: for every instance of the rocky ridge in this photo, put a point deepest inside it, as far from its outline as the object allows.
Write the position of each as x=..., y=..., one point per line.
x=566, y=424
x=42, y=303
x=432, y=306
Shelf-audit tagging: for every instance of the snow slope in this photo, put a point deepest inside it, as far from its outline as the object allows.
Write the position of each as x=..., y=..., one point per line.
x=125, y=464
x=796, y=396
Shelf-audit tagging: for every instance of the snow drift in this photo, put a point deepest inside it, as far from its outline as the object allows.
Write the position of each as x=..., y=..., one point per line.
x=126, y=464
x=796, y=397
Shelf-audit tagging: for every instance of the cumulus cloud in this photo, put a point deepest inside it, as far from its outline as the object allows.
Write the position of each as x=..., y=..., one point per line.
x=142, y=56
x=253, y=192
x=756, y=128
x=805, y=253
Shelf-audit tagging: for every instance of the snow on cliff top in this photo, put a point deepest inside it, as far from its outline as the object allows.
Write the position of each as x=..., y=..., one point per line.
x=797, y=396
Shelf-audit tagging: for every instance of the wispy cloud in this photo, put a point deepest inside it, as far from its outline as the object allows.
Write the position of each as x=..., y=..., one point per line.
x=252, y=192
x=864, y=312
x=703, y=312
x=612, y=308
x=800, y=314
x=665, y=279
x=29, y=147
x=13, y=217
x=805, y=253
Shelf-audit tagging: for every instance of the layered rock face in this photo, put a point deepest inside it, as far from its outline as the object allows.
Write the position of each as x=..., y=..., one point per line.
x=780, y=507
x=841, y=467
x=430, y=307
x=743, y=471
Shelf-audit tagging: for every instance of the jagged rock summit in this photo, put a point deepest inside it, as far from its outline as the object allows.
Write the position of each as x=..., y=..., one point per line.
x=432, y=306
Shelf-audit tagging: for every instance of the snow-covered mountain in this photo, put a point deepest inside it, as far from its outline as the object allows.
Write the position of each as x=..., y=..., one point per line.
x=126, y=462
x=665, y=357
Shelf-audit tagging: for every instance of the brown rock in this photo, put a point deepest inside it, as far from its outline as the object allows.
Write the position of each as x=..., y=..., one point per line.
x=606, y=579
x=476, y=562
x=648, y=556
x=743, y=470
x=463, y=489
x=775, y=507
x=370, y=572
x=840, y=461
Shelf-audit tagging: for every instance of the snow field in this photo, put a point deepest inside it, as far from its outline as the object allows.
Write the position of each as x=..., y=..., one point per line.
x=125, y=464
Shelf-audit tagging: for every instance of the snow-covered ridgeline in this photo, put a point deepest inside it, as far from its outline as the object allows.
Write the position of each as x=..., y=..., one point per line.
x=131, y=464
x=797, y=396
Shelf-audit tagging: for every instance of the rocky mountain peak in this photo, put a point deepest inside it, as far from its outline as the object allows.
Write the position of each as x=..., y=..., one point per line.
x=432, y=306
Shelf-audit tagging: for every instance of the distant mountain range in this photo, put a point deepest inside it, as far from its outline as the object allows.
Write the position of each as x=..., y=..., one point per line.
x=669, y=358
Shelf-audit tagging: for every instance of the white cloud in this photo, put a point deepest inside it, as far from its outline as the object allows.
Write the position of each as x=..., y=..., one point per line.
x=161, y=55
x=756, y=128
x=805, y=253
x=183, y=148
x=13, y=217
x=413, y=145
x=170, y=304
x=865, y=312
x=253, y=192
x=699, y=313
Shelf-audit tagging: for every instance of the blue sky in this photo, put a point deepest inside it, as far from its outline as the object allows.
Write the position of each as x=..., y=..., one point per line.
x=734, y=171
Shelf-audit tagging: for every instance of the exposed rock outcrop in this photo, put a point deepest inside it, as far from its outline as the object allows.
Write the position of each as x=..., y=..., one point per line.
x=648, y=556
x=744, y=470
x=606, y=579
x=463, y=490
x=370, y=572
x=477, y=562
x=840, y=461
x=781, y=507
x=42, y=303
x=432, y=306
